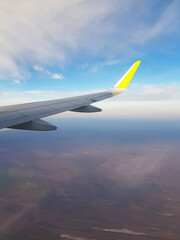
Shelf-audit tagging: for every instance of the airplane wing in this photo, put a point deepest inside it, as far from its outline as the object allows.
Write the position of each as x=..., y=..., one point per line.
x=28, y=116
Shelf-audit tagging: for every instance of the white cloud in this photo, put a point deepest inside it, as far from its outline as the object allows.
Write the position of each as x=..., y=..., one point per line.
x=15, y=97
x=150, y=92
x=16, y=81
x=124, y=231
x=85, y=65
x=146, y=101
x=107, y=63
x=57, y=76
x=46, y=32
x=47, y=72
x=38, y=68
x=167, y=22
x=34, y=92
x=70, y=237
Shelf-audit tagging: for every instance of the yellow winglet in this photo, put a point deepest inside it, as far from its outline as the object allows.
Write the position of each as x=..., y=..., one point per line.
x=125, y=80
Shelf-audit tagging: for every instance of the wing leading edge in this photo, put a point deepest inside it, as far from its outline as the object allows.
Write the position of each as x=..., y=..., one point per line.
x=28, y=116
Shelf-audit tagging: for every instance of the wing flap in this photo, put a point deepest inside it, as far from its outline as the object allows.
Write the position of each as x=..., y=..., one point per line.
x=36, y=125
x=87, y=109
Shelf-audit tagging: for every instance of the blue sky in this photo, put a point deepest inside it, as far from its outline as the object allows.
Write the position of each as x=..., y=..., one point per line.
x=51, y=49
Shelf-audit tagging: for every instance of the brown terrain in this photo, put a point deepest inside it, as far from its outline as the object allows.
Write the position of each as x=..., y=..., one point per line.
x=90, y=190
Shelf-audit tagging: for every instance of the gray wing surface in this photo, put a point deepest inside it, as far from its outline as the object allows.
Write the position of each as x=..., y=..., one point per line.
x=14, y=115
x=28, y=116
